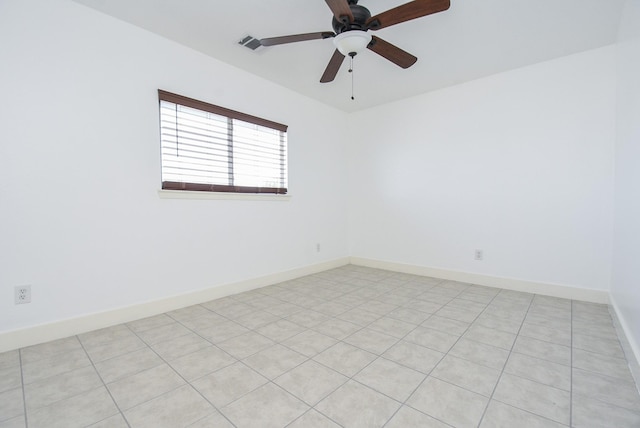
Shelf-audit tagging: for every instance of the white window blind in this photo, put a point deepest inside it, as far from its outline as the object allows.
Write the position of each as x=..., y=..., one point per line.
x=210, y=148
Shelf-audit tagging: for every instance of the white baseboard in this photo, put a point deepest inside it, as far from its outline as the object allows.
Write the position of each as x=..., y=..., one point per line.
x=16, y=339
x=547, y=289
x=629, y=345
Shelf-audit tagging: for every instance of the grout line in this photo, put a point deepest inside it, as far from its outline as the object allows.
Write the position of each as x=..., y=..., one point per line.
x=571, y=374
x=104, y=385
x=180, y=375
x=24, y=395
x=505, y=363
x=356, y=281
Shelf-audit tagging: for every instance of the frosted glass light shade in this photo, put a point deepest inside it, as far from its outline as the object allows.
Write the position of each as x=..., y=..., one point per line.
x=352, y=41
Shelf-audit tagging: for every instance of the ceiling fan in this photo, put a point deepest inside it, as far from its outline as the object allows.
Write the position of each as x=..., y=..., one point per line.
x=351, y=23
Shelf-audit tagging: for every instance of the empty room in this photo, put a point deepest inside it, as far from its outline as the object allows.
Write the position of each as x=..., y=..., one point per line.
x=316, y=213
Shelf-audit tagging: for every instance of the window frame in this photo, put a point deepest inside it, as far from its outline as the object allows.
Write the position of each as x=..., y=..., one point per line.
x=230, y=114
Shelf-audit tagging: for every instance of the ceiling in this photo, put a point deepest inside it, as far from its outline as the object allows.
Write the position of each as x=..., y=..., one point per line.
x=472, y=39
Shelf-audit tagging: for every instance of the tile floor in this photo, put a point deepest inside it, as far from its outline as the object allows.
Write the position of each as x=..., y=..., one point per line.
x=350, y=347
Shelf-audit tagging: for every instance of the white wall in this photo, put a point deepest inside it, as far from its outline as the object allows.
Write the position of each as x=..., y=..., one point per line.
x=519, y=164
x=625, y=287
x=80, y=217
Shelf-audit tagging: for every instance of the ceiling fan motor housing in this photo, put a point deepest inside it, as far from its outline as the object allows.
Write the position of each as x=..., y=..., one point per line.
x=360, y=16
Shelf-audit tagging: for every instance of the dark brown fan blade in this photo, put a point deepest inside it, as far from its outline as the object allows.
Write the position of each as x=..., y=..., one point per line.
x=332, y=69
x=391, y=52
x=272, y=41
x=340, y=8
x=407, y=12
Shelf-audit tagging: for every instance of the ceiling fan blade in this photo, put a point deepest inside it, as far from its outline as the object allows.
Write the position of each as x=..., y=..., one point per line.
x=407, y=12
x=272, y=41
x=340, y=9
x=332, y=69
x=391, y=52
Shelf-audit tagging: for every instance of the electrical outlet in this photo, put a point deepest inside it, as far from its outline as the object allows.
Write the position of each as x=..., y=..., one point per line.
x=478, y=255
x=22, y=294
x=317, y=247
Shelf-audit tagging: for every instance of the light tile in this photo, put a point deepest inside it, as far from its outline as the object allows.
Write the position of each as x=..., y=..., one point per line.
x=10, y=378
x=311, y=382
x=9, y=359
x=201, y=363
x=216, y=420
x=407, y=417
x=447, y=325
x=336, y=328
x=77, y=411
x=424, y=306
x=449, y=403
x=105, y=335
x=107, y=350
x=371, y=340
x=266, y=407
x=500, y=415
x=229, y=384
x=605, y=388
x=456, y=313
x=310, y=343
x=308, y=318
x=354, y=405
x=434, y=339
x=359, y=317
x=590, y=413
x=180, y=346
x=11, y=404
x=127, y=364
x=223, y=331
x=345, y=358
x=490, y=336
x=165, y=332
x=608, y=347
x=236, y=310
x=391, y=379
x=256, y=319
x=466, y=374
x=392, y=327
x=115, y=421
x=506, y=324
x=204, y=321
x=17, y=422
x=555, y=353
x=283, y=309
x=313, y=419
x=144, y=386
x=34, y=353
x=408, y=315
x=47, y=391
x=188, y=313
x=541, y=371
x=480, y=353
x=598, y=363
x=548, y=334
x=280, y=330
x=543, y=400
x=377, y=307
x=178, y=408
x=150, y=323
x=274, y=361
x=332, y=308
x=246, y=344
x=414, y=356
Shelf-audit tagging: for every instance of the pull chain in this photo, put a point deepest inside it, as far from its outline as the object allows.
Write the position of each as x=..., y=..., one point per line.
x=352, y=55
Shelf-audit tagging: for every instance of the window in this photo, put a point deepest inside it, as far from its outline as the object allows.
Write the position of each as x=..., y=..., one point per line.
x=209, y=148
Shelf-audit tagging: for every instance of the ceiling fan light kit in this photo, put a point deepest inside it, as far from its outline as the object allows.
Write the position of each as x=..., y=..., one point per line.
x=351, y=23
x=352, y=42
